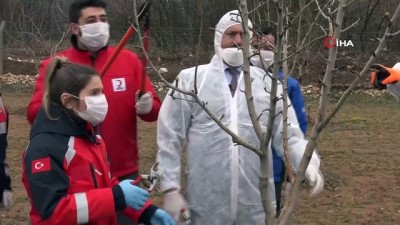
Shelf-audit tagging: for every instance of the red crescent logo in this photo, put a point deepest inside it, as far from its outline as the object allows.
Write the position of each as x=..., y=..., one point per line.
x=329, y=42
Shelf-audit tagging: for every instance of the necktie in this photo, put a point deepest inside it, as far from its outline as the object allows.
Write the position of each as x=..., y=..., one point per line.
x=234, y=82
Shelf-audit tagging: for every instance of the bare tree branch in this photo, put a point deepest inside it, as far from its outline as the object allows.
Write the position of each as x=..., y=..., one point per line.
x=294, y=193
x=351, y=26
x=300, y=13
x=351, y=2
x=256, y=8
x=299, y=50
x=305, y=38
x=246, y=71
x=285, y=69
x=389, y=35
x=64, y=35
x=382, y=43
x=321, y=11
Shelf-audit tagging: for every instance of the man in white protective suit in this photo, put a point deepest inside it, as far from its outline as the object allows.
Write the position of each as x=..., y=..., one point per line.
x=222, y=178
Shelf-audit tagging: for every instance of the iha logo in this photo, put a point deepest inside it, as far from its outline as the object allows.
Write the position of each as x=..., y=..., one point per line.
x=330, y=42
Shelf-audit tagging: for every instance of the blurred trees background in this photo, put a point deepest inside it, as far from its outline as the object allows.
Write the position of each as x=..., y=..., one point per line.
x=38, y=26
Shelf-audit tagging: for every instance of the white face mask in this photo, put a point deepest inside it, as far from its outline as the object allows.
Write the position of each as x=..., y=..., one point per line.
x=232, y=56
x=394, y=89
x=96, y=109
x=268, y=56
x=95, y=35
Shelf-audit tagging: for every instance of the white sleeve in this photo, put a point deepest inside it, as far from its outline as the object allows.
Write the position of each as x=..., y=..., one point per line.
x=172, y=125
x=296, y=140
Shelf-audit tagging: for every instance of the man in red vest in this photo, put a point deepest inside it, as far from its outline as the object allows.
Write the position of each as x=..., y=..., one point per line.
x=89, y=29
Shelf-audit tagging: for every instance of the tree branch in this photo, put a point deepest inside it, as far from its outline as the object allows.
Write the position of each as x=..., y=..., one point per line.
x=320, y=11
x=389, y=35
x=246, y=72
x=294, y=193
x=302, y=47
x=352, y=25
x=382, y=42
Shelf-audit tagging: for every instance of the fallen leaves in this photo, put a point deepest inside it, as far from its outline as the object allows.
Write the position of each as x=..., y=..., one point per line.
x=9, y=78
x=308, y=90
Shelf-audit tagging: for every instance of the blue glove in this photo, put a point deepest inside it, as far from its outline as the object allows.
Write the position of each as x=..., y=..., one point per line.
x=160, y=217
x=135, y=197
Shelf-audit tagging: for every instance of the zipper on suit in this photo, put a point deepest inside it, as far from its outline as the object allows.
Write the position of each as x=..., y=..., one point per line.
x=234, y=159
x=92, y=170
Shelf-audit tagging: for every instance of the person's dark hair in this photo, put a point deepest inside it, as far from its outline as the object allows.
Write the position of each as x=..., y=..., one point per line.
x=265, y=30
x=64, y=77
x=77, y=6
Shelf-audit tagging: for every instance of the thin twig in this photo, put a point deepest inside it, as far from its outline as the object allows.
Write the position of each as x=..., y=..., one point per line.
x=302, y=47
x=365, y=70
x=352, y=25
x=320, y=10
x=389, y=35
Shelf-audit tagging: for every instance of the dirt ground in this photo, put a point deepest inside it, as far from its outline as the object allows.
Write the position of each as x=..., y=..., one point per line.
x=358, y=150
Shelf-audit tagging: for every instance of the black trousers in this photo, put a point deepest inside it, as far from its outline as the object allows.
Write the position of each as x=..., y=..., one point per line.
x=278, y=191
x=278, y=196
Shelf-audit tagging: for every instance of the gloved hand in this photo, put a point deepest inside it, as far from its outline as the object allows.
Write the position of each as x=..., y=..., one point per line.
x=160, y=217
x=7, y=199
x=381, y=76
x=175, y=204
x=314, y=176
x=144, y=104
x=135, y=197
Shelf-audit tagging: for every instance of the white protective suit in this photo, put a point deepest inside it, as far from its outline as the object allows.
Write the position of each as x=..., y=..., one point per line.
x=222, y=178
x=394, y=89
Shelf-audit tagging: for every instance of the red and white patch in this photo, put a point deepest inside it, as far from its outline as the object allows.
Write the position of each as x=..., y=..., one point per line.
x=41, y=165
x=3, y=115
x=118, y=84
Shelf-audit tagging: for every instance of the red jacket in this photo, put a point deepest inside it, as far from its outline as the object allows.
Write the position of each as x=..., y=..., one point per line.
x=5, y=181
x=121, y=83
x=67, y=176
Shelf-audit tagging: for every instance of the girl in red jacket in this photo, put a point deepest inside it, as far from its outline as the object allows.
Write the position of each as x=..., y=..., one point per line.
x=66, y=172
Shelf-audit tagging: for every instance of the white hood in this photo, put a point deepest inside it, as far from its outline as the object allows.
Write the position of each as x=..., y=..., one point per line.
x=229, y=19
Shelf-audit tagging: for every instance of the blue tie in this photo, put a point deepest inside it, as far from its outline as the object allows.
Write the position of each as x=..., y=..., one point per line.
x=234, y=82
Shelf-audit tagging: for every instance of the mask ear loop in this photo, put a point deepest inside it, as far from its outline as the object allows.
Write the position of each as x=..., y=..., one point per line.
x=76, y=97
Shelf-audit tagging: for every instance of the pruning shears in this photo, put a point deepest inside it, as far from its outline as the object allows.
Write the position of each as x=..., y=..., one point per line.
x=185, y=218
x=150, y=180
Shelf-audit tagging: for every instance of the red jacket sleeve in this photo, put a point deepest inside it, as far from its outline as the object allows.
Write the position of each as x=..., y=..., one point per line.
x=81, y=208
x=48, y=184
x=37, y=98
x=142, y=215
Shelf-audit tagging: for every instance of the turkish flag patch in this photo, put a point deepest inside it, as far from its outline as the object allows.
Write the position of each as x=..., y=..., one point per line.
x=41, y=165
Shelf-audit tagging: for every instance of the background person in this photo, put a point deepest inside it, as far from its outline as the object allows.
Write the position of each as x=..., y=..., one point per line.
x=6, y=199
x=264, y=43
